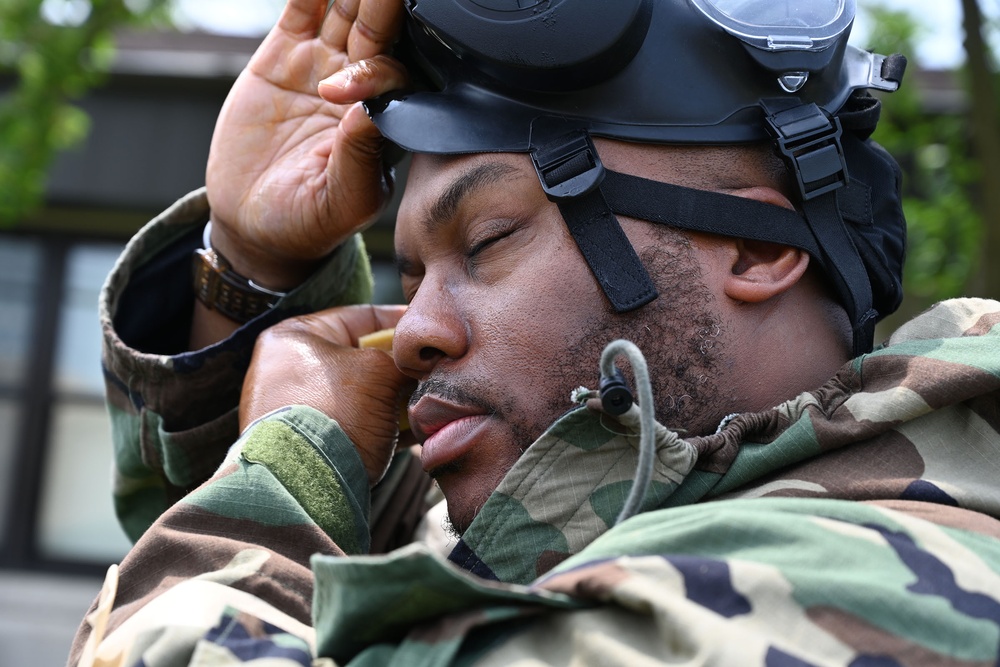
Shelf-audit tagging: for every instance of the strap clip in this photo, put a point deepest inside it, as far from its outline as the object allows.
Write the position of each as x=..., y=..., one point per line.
x=810, y=141
x=568, y=167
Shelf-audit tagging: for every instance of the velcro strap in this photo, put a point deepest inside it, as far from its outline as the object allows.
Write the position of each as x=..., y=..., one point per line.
x=607, y=251
x=893, y=68
x=704, y=211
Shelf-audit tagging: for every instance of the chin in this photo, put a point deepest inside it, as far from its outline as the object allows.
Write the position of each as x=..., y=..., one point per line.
x=466, y=494
x=463, y=507
x=459, y=523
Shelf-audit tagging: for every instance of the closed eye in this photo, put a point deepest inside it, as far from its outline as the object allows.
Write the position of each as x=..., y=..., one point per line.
x=493, y=232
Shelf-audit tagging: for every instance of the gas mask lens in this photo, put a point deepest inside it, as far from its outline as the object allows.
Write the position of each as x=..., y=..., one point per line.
x=781, y=25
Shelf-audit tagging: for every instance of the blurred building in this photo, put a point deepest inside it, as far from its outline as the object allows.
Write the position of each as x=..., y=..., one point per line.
x=151, y=127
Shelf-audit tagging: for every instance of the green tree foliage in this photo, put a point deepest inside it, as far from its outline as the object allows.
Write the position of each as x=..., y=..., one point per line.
x=984, y=122
x=945, y=227
x=51, y=53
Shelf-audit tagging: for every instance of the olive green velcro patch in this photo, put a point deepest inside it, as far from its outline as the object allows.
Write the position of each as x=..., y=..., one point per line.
x=308, y=477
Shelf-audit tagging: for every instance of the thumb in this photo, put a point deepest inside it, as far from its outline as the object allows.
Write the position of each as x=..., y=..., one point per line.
x=355, y=165
x=356, y=176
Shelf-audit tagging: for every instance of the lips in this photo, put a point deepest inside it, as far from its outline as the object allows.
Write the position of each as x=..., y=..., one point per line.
x=448, y=430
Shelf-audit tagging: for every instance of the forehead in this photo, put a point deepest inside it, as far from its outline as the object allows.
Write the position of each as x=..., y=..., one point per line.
x=703, y=167
x=438, y=184
x=443, y=191
x=433, y=177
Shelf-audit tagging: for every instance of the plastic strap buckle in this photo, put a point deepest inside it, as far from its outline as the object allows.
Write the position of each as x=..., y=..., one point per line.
x=810, y=141
x=568, y=167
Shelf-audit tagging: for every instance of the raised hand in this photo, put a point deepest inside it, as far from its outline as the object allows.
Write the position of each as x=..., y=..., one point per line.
x=295, y=165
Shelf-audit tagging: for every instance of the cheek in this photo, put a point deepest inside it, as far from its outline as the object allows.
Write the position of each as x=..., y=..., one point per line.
x=541, y=304
x=530, y=332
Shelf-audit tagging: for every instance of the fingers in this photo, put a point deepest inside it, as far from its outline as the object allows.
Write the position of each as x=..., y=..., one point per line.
x=339, y=21
x=364, y=80
x=356, y=167
x=356, y=156
x=344, y=325
x=360, y=28
x=375, y=29
x=296, y=363
x=363, y=28
x=303, y=18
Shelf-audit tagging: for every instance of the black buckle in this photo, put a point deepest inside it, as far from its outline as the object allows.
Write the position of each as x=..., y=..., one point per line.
x=810, y=141
x=568, y=167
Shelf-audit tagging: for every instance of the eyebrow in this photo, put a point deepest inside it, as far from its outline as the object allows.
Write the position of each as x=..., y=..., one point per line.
x=446, y=206
x=477, y=178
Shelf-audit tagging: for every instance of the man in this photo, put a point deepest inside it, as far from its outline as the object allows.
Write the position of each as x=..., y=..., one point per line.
x=584, y=172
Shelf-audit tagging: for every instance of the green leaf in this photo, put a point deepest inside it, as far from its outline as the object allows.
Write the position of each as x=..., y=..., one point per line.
x=57, y=50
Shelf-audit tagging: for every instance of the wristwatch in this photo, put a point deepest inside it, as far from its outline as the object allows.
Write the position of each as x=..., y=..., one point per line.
x=221, y=289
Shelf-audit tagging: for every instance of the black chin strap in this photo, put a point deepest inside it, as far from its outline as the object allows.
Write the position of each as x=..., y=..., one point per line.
x=571, y=174
x=849, y=275
x=822, y=232
x=808, y=139
x=589, y=196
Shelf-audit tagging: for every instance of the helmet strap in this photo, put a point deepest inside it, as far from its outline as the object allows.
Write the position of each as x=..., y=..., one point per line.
x=589, y=197
x=571, y=173
x=844, y=267
x=822, y=232
x=808, y=139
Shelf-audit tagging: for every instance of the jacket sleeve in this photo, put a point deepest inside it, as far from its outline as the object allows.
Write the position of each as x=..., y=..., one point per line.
x=225, y=570
x=174, y=412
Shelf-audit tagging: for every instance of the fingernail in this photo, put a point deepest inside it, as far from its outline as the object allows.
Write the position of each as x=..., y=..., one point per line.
x=338, y=79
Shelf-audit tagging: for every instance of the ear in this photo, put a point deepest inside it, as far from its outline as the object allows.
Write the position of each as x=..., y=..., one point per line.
x=762, y=270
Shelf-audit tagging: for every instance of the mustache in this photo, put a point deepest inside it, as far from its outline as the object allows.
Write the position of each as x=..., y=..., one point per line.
x=451, y=392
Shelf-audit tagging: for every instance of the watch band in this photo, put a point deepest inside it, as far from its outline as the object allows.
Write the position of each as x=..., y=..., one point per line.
x=221, y=289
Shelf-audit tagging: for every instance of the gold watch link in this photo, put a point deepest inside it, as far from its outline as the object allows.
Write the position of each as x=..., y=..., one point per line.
x=221, y=289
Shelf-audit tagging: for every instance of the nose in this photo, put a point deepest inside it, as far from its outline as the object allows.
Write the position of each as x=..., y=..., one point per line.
x=432, y=330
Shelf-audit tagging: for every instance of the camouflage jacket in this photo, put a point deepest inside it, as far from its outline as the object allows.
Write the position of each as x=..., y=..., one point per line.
x=855, y=524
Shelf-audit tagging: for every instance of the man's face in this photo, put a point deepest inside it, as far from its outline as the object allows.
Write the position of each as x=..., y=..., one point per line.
x=505, y=320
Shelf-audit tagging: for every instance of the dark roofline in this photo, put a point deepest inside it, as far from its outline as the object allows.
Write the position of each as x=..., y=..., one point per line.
x=187, y=55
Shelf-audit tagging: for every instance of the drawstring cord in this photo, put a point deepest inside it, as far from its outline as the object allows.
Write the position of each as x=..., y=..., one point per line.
x=659, y=447
x=647, y=417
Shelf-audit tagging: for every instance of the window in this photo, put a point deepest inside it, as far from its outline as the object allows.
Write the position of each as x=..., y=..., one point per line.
x=20, y=267
x=76, y=518
x=55, y=438
x=56, y=511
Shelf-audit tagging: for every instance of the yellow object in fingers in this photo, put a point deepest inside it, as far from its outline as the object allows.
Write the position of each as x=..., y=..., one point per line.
x=382, y=340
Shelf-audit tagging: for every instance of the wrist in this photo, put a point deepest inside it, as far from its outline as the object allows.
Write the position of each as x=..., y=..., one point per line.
x=221, y=288
x=261, y=266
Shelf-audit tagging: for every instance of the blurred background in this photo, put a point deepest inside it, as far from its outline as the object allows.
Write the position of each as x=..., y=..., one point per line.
x=106, y=112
